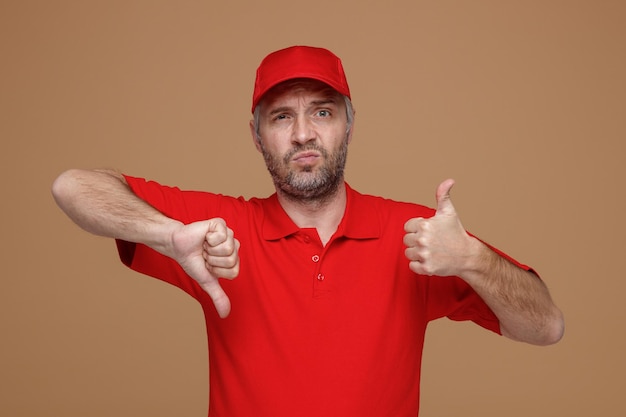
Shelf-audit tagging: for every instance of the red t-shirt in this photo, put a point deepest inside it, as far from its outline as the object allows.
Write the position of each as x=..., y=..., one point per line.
x=314, y=330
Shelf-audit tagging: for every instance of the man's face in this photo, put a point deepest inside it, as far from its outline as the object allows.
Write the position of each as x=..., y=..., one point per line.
x=303, y=136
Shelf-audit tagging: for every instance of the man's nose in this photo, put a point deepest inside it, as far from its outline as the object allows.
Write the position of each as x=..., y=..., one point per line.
x=303, y=130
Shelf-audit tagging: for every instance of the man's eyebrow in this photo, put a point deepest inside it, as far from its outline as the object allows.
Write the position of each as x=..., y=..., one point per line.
x=281, y=109
x=329, y=100
x=316, y=103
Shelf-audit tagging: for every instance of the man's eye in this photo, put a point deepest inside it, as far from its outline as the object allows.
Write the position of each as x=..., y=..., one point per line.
x=323, y=113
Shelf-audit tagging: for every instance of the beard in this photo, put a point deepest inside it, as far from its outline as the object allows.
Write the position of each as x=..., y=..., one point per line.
x=308, y=183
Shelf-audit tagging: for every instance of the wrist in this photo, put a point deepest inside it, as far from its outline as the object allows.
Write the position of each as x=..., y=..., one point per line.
x=480, y=260
x=162, y=236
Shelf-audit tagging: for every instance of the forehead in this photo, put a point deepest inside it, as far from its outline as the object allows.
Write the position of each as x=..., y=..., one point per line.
x=299, y=87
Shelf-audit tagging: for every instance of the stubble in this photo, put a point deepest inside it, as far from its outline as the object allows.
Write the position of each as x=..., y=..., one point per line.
x=310, y=183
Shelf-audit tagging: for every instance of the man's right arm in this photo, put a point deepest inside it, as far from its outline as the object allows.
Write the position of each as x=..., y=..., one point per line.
x=102, y=203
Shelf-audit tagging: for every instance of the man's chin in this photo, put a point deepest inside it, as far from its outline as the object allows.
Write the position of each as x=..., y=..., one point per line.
x=310, y=187
x=303, y=168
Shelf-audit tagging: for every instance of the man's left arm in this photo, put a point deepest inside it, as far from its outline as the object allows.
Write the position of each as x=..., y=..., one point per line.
x=440, y=246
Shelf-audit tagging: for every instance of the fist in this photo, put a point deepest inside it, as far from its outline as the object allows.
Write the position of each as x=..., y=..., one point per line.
x=207, y=250
x=220, y=250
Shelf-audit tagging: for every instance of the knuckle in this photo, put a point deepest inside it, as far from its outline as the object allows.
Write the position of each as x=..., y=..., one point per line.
x=422, y=240
x=230, y=247
x=235, y=270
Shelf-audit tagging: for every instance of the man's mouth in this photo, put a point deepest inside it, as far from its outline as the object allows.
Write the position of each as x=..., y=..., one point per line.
x=305, y=158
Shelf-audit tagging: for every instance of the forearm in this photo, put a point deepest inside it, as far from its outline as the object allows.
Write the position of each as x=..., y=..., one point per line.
x=518, y=297
x=101, y=203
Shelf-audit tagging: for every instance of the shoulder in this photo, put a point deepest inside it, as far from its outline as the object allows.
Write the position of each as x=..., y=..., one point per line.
x=192, y=205
x=386, y=207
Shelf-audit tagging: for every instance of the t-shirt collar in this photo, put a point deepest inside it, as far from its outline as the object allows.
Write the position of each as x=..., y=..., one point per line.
x=358, y=221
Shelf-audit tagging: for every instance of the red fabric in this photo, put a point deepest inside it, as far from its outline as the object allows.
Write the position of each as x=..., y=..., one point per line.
x=299, y=62
x=314, y=331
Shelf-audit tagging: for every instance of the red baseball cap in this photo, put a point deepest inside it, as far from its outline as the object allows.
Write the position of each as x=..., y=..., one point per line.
x=299, y=62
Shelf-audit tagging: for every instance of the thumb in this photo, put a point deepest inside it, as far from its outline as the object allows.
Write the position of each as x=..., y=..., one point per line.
x=219, y=297
x=444, y=202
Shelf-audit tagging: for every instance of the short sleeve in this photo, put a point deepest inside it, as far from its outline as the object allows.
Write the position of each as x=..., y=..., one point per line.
x=453, y=298
x=174, y=203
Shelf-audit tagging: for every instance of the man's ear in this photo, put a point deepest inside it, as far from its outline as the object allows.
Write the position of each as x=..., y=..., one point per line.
x=255, y=137
x=351, y=128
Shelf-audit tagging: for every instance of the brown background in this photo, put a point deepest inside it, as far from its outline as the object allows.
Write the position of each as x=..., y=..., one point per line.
x=521, y=102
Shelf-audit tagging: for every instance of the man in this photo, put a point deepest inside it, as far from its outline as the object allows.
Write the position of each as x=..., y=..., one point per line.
x=334, y=289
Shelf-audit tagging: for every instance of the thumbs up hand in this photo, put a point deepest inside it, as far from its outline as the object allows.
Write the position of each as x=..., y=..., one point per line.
x=440, y=245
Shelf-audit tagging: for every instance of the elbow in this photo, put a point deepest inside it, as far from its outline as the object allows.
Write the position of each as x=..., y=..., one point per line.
x=555, y=328
x=552, y=331
x=544, y=331
x=62, y=187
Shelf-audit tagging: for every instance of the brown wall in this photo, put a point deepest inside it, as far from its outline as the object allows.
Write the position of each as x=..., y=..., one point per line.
x=522, y=103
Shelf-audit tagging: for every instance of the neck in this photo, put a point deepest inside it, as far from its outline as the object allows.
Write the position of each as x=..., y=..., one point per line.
x=323, y=214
